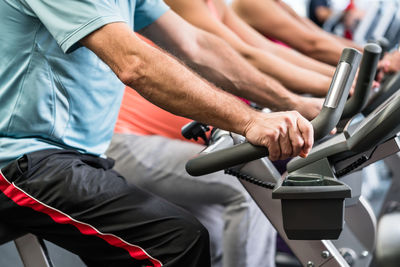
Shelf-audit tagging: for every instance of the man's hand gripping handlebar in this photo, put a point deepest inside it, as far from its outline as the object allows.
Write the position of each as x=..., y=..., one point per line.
x=283, y=135
x=286, y=134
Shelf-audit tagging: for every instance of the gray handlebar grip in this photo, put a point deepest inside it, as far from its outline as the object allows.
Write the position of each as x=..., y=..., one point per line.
x=323, y=123
x=365, y=78
x=335, y=100
x=225, y=158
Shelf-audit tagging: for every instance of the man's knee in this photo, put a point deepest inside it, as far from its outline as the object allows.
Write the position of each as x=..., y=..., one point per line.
x=193, y=232
x=192, y=244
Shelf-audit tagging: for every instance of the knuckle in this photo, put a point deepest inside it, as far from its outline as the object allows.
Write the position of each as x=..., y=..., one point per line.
x=298, y=143
x=274, y=135
x=282, y=128
x=286, y=153
x=288, y=119
x=295, y=113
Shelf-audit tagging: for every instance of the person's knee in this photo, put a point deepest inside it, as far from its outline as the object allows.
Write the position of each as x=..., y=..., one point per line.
x=194, y=232
x=190, y=245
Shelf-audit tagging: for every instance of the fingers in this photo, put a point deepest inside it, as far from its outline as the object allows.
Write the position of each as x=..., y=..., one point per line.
x=274, y=146
x=296, y=139
x=375, y=84
x=285, y=145
x=382, y=63
x=285, y=134
x=291, y=138
x=307, y=132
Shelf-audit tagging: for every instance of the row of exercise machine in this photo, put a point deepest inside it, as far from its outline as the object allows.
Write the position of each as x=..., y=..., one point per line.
x=380, y=23
x=317, y=208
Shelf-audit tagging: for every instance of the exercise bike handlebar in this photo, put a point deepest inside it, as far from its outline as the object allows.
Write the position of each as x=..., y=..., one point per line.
x=329, y=116
x=365, y=78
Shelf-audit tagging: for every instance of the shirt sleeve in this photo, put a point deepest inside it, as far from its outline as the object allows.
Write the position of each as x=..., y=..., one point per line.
x=148, y=11
x=70, y=21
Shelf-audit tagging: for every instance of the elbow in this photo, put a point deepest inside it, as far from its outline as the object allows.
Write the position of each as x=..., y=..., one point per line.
x=315, y=47
x=130, y=71
x=309, y=47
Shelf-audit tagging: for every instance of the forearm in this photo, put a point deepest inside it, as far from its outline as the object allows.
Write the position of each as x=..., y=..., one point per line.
x=176, y=93
x=303, y=61
x=161, y=79
x=167, y=83
x=291, y=76
x=271, y=20
x=216, y=61
x=219, y=63
x=346, y=42
x=256, y=40
x=284, y=134
x=325, y=49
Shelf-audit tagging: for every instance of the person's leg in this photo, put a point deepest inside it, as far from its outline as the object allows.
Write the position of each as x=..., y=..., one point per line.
x=77, y=202
x=219, y=201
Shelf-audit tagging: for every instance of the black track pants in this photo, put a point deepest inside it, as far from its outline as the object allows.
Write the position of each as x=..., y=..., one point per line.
x=77, y=202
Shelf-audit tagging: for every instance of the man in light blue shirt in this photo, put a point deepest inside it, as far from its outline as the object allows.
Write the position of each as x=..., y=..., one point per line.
x=63, y=66
x=61, y=87
x=55, y=96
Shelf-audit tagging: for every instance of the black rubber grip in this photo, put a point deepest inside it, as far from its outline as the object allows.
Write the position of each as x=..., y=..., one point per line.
x=225, y=158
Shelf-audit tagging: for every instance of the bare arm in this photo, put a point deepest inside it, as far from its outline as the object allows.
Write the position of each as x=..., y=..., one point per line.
x=291, y=76
x=269, y=18
x=168, y=84
x=216, y=61
x=254, y=38
x=312, y=26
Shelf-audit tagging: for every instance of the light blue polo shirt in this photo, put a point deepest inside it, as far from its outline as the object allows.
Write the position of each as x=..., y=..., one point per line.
x=55, y=93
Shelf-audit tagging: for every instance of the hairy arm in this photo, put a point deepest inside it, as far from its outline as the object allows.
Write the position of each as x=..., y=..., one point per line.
x=216, y=61
x=270, y=19
x=312, y=26
x=254, y=38
x=164, y=81
x=291, y=76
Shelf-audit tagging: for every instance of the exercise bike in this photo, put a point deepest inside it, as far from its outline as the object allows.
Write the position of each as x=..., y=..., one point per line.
x=307, y=206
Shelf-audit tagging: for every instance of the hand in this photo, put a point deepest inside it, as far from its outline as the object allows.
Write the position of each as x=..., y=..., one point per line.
x=309, y=107
x=390, y=62
x=285, y=134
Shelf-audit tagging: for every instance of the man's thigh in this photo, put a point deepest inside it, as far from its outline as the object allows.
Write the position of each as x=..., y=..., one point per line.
x=78, y=202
